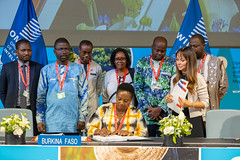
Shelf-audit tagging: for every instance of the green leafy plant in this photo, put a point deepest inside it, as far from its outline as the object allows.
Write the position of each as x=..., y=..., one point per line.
x=14, y=124
x=73, y=56
x=145, y=22
x=175, y=126
x=92, y=10
x=132, y=7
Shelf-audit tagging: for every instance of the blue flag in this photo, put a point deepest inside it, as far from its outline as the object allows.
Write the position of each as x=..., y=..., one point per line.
x=193, y=23
x=25, y=26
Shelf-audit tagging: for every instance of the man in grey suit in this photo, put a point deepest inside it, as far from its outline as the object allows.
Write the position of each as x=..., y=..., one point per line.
x=94, y=76
x=19, y=81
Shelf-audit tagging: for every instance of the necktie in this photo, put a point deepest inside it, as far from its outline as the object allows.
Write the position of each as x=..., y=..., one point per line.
x=23, y=99
x=85, y=67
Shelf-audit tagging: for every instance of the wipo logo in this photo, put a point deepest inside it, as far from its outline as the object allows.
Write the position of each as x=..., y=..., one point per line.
x=31, y=31
x=200, y=29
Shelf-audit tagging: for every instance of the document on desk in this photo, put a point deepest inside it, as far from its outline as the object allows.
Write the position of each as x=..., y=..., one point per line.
x=116, y=138
x=179, y=90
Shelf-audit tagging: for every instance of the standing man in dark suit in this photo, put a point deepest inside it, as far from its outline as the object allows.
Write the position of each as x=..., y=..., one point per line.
x=19, y=80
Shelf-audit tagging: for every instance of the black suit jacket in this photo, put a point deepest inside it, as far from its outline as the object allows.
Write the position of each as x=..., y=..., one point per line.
x=9, y=82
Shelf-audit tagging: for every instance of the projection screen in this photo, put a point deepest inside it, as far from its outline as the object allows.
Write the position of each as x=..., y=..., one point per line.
x=125, y=23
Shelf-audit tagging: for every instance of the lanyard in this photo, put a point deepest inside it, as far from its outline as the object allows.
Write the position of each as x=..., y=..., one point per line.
x=21, y=74
x=156, y=76
x=115, y=117
x=89, y=63
x=200, y=67
x=64, y=76
x=125, y=74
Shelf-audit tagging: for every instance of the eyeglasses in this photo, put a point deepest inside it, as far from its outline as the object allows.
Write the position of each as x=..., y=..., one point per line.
x=63, y=49
x=120, y=59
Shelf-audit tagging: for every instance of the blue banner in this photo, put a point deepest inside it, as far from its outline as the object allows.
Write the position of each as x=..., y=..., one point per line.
x=12, y=152
x=193, y=23
x=25, y=26
x=220, y=153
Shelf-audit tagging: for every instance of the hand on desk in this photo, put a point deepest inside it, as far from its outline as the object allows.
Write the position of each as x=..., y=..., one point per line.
x=122, y=133
x=105, y=132
x=41, y=127
x=102, y=132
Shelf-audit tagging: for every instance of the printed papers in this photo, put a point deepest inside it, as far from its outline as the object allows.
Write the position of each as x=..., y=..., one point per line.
x=179, y=90
x=116, y=138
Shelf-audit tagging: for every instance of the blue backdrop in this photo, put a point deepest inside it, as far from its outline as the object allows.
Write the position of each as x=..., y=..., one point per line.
x=231, y=55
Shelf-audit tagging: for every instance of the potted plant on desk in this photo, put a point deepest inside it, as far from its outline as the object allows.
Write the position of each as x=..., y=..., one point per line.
x=173, y=128
x=15, y=128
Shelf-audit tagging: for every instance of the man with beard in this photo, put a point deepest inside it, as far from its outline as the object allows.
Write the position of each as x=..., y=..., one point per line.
x=62, y=94
x=213, y=71
x=152, y=83
x=19, y=81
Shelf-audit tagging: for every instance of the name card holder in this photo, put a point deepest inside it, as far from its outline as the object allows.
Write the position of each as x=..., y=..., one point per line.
x=59, y=140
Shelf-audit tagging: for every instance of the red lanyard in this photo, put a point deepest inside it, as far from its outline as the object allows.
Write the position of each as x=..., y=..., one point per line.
x=125, y=74
x=21, y=74
x=156, y=76
x=64, y=76
x=115, y=117
x=200, y=67
x=89, y=63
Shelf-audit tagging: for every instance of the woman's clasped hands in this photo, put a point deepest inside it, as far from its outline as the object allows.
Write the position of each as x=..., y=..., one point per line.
x=105, y=132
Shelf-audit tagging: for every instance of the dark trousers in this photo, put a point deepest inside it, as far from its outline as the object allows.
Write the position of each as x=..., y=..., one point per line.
x=153, y=130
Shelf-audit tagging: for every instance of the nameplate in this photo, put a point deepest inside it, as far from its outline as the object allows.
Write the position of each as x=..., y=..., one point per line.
x=59, y=140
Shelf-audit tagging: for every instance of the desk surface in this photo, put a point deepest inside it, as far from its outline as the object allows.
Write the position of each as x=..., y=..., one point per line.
x=188, y=142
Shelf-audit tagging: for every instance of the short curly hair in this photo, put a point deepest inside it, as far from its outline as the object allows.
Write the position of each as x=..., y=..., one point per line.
x=112, y=59
x=126, y=87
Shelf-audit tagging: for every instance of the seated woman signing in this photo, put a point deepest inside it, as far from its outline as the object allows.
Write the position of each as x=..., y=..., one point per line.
x=118, y=118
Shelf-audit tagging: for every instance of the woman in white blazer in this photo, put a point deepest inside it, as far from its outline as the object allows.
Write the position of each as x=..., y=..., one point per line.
x=197, y=98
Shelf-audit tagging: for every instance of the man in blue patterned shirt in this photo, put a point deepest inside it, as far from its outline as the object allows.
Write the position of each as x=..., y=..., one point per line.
x=62, y=94
x=152, y=83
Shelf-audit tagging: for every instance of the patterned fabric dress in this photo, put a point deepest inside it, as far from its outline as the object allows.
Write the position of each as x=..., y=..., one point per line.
x=104, y=117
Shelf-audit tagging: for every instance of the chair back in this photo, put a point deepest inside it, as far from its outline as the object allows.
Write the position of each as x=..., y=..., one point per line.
x=9, y=111
x=223, y=123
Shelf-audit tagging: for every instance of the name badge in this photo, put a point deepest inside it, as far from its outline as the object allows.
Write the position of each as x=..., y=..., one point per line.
x=155, y=85
x=26, y=94
x=61, y=95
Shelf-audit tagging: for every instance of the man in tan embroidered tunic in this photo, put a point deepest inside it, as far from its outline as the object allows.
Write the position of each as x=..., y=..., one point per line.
x=213, y=71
